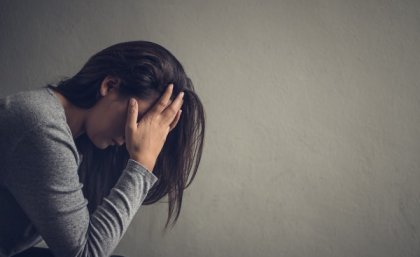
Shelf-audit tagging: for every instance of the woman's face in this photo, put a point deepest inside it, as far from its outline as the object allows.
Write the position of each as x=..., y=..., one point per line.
x=106, y=121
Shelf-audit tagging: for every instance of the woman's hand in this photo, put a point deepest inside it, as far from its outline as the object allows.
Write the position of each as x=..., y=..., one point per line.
x=144, y=140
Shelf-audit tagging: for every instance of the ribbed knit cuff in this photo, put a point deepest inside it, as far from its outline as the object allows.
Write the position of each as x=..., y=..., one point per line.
x=137, y=166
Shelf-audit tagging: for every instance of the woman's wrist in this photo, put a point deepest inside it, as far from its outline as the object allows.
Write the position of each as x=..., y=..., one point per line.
x=146, y=162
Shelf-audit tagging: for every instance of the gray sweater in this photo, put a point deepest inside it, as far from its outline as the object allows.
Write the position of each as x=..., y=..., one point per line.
x=40, y=193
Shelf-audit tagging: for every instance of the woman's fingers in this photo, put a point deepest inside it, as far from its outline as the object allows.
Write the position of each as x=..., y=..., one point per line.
x=132, y=114
x=163, y=101
x=177, y=117
x=148, y=136
x=166, y=108
x=168, y=115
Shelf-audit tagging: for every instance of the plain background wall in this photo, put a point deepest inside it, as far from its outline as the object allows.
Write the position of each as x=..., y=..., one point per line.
x=312, y=139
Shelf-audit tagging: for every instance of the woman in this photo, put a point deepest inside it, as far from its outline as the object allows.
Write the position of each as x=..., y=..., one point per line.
x=79, y=160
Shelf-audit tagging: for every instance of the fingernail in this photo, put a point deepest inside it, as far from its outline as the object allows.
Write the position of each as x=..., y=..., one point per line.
x=182, y=94
x=132, y=101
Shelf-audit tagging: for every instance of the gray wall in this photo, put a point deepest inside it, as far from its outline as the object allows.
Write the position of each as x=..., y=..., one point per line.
x=312, y=107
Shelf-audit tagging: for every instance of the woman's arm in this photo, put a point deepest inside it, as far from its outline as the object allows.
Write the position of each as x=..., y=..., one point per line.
x=44, y=180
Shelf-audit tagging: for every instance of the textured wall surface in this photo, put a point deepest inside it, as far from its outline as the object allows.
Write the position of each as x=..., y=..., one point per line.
x=313, y=117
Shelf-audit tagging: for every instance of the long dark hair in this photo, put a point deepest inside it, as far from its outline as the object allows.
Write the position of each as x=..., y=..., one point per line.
x=144, y=69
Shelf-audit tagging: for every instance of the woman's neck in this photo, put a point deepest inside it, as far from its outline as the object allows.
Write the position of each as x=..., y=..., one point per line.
x=75, y=116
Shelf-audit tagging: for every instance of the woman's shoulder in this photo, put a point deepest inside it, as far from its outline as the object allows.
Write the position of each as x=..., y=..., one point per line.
x=25, y=111
x=29, y=108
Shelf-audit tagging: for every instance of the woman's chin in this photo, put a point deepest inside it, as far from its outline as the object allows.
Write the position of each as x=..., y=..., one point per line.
x=102, y=145
x=106, y=145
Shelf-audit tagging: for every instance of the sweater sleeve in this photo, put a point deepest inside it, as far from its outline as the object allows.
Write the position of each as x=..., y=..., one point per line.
x=43, y=179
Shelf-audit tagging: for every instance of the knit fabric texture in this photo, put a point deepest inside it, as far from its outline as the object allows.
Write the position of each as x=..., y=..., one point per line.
x=40, y=194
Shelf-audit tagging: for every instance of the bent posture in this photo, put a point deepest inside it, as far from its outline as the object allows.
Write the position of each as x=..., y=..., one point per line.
x=80, y=158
